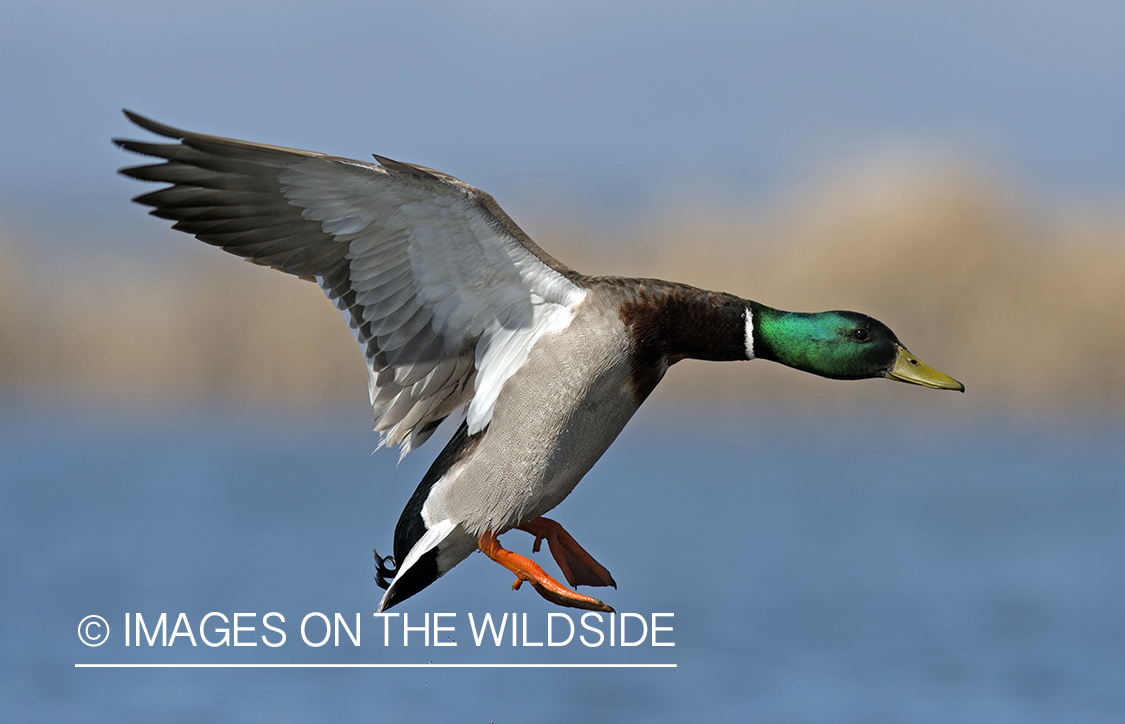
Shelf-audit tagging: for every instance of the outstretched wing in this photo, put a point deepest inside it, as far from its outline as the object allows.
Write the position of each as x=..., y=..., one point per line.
x=443, y=292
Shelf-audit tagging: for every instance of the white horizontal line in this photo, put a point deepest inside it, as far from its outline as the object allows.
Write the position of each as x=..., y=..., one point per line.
x=375, y=666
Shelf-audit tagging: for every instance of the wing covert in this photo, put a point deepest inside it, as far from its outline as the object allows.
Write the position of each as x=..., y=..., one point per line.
x=443, y=292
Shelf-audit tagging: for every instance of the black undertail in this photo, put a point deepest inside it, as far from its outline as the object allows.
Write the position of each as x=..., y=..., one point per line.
x=411, y=527
x=420, y=575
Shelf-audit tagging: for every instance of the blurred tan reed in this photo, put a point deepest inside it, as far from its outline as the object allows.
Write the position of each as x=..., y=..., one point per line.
x=1026, y=306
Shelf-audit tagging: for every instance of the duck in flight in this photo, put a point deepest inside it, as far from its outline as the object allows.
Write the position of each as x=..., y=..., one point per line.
x=458, y=311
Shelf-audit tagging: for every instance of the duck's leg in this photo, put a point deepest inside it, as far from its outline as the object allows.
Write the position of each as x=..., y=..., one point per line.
x=577, y=565
x=527, y=570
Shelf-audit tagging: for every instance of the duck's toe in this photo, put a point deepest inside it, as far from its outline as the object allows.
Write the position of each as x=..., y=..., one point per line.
x=527, y=570
x=579, y=567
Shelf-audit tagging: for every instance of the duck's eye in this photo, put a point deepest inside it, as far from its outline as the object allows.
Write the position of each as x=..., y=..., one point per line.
x=861, y=335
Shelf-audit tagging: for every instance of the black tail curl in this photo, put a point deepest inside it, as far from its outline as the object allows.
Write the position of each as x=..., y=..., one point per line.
x=385, y=569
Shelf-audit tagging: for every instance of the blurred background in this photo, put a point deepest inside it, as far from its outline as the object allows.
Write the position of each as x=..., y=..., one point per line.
x=180, y=429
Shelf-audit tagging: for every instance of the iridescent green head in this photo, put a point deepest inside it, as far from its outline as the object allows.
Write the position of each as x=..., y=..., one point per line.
x=839, y=345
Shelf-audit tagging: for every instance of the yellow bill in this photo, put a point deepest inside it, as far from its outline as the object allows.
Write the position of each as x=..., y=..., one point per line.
x=908, y=368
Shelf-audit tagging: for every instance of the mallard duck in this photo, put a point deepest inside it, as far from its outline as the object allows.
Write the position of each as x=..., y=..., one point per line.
x=458, y=311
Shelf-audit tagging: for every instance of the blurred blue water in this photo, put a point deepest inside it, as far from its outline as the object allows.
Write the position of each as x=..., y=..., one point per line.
x=819, y=570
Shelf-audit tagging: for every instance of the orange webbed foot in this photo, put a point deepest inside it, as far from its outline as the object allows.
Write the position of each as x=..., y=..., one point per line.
x=527, y=570
x=577, y=565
